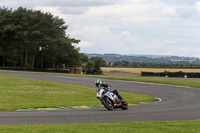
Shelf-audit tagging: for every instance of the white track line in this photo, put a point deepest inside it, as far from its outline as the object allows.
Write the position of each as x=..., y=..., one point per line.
x=159, y=100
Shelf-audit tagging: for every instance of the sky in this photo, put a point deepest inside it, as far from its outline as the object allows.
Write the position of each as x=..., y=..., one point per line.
x=150, y=27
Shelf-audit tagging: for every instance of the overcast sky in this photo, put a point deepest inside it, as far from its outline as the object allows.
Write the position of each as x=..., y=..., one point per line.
x=153, y=27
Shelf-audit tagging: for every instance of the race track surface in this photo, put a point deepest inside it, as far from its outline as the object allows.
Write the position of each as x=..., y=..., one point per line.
x=178, y=103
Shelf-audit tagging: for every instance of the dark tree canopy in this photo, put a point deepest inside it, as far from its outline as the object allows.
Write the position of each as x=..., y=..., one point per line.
x=84, y=58
x=98, y=62
x=33, y=39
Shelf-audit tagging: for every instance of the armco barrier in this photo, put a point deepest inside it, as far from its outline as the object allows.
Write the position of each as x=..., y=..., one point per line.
x=148, y=74
x=172, y=74
x=35, y=69
x=92, y=71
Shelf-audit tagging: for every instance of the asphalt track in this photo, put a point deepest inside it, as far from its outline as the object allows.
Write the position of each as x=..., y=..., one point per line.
x=178, y=103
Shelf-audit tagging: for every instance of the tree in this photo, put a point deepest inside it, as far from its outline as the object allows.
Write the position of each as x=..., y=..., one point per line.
x=90, y=64
x=31, y=38
x=99, y=62
x=8, y=35
x=84, y=58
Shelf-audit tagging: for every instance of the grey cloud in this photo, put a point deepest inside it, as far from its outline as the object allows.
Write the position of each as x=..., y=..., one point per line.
x=186, y=13
x=78, y=6
x=73, y=10
x=78, y=3
x=186, y=2
x=66, y=6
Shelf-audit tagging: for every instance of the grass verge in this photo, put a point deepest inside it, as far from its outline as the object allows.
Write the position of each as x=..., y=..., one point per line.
x=17, y=92
x=123, y=127
x=178, y=82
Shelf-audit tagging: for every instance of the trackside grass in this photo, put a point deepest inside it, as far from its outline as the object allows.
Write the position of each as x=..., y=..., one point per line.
x=123, y=127
x=178, y=82
x=17, y=92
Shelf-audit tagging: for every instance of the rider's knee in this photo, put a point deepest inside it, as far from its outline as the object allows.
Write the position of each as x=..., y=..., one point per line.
x=116, y=92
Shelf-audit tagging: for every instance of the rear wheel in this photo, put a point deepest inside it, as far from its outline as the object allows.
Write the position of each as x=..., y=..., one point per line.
x=107, y=102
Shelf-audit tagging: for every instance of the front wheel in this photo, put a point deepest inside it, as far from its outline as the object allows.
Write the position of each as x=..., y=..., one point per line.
x=124, y=105
x=107, y=102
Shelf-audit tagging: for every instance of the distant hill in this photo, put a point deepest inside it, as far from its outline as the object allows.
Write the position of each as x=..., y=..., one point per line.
x=146, y=58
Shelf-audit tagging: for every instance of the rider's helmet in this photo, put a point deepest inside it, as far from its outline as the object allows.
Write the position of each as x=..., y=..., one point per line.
x=98, y=82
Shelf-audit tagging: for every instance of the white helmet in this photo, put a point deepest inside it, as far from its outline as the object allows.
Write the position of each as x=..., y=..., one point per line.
x=98, y=82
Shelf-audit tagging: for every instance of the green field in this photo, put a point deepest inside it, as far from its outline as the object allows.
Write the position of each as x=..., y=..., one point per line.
x=17, y=92
x=123, y=127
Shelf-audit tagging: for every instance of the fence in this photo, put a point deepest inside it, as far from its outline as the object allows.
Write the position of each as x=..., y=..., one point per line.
x=172, y=74
x=35, y=69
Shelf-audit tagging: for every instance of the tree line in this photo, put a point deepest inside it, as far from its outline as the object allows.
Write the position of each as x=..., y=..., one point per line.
x=124, y=63
x=34, y=39
x=97, y=62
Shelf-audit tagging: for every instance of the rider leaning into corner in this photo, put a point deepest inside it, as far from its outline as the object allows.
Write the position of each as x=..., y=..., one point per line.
x=107, y=87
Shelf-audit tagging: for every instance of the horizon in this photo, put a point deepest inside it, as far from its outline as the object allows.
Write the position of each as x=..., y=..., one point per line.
x=139, y=55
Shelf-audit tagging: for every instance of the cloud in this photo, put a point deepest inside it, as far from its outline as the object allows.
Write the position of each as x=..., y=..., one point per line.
x=128, y=26
x=54, y=10
x=169, y=11
x=80, y=3
x=84, y=44
x=135, y=12
x=77, y=7
x=179, y=47
x=197, y=7
x=66, y=6
x=73, y=10
x=181, y=2
x=138, y=27
x=128, y=37
x=183, y=51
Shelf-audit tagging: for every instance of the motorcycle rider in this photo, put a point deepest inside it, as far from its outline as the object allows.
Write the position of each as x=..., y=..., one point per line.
x=107, y=87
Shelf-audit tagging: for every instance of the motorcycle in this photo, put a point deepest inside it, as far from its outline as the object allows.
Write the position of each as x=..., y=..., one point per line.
x=108, y=97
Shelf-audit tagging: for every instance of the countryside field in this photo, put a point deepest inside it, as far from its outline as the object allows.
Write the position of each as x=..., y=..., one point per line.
x=138, y=70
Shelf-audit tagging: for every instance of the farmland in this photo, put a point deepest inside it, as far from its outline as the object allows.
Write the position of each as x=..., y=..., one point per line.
x=137, y=71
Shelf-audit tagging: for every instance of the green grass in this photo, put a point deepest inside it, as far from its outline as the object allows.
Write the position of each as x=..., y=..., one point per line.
x=17, y=92
x=178, y=82
x=123, y=127
x=167, y=81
